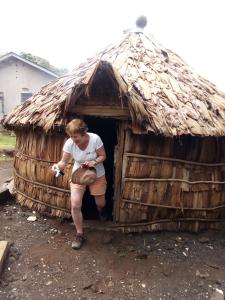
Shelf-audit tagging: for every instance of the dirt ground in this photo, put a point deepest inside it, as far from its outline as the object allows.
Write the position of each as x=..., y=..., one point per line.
x=111, y=265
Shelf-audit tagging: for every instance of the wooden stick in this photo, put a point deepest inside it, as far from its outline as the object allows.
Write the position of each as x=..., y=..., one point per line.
x=19, y=154
x=171, y=207
x=105, y=111
x=174, y=160
x=172, y=180
x=169, y=221
x=4, y=249
x=118, y=171
x=41, y=184
x=43, y=203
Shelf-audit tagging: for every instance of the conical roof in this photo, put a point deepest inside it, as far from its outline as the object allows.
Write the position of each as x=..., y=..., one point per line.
x=164, y=95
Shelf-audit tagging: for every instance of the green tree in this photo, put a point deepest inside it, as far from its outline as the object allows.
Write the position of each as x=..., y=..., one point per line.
x=44, y=63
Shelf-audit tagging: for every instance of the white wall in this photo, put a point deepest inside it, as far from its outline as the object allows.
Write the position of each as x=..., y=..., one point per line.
x=16, y=76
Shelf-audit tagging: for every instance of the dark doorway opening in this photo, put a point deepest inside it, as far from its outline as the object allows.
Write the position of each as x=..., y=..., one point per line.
x=107, y=130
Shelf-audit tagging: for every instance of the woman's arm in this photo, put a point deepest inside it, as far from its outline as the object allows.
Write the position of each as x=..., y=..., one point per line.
x=101, y=156
x=64, y=160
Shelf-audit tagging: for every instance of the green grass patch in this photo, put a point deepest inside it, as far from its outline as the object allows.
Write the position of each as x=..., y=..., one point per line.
x=5, y=158
x=7, y=142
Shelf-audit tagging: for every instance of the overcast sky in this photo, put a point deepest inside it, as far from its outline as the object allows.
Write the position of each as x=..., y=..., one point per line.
x=65, y=32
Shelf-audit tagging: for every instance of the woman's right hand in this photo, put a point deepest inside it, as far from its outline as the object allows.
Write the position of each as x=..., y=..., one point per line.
x=57, y=171
x=54, y=168
x=88, y=164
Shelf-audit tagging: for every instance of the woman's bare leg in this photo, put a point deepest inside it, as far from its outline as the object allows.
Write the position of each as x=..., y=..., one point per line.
x=76, y=203
x=100, y=203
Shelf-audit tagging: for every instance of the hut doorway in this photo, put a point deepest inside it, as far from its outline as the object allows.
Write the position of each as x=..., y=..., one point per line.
x=107, y=130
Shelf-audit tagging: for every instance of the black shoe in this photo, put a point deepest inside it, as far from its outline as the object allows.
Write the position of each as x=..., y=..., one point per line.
x=102, y=215
x=78, y=242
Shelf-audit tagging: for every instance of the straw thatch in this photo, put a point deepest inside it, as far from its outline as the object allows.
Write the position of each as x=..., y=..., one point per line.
x=163, y=94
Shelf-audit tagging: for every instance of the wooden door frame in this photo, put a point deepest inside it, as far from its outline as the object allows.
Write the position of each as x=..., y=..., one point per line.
x=119, y=149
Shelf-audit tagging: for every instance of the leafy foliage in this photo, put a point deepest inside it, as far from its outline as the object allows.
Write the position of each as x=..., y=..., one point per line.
x=44, y=63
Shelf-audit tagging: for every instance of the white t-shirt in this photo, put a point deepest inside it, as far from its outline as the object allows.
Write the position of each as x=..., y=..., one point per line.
x=80, y=156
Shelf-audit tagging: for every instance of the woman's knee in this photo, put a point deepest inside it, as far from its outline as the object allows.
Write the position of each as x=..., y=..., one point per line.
x=100, y=201
x=76, y=202
x=76, y=205
x=76, y=199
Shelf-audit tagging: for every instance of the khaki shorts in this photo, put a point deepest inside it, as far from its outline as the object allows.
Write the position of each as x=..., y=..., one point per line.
x=97, y=188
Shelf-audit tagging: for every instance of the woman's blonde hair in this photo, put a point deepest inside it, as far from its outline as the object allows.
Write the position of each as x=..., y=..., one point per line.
x=76, y=126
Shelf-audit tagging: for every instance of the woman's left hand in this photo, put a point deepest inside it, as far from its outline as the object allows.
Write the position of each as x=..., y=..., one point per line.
x=89, y=164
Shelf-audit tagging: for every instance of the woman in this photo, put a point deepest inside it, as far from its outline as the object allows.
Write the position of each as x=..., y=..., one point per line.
x=87, y=150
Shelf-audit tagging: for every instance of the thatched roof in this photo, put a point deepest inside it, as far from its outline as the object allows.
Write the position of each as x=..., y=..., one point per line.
x=163, y=94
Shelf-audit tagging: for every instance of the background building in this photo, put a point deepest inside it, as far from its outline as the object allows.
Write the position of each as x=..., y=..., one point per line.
x=19, y=80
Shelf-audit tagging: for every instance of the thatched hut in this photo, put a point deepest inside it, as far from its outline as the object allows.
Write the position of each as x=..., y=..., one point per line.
x=163, y=127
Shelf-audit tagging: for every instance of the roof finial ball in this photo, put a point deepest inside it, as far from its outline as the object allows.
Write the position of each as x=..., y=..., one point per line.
x=141, y=21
